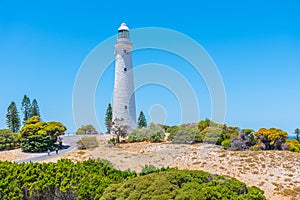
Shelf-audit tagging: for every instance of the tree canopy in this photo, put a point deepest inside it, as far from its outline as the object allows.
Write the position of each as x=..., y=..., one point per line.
x=272, y=138
x=108, y=118
x=13, y=118
x=154, y=133
x=34, y=109
x=119, y=129
x=8, y=139
x=43, y=132
x=297, y=133
x=86, y=130
x=25, y=108
x=142, y=122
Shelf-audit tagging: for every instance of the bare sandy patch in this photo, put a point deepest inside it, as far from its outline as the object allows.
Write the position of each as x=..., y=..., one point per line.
x=16, y=154
x=76, y=156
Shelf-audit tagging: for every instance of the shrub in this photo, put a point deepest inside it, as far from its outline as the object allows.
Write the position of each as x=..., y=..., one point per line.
x=112, y=141
x=62, y=180
x=209, y=135
x=203, y=124
x=172, y=130
x=185, y=135
x=35, y=127
x=138, y=135
x=272, y=138
x=8, y=139
x=86, y=130
x=226, y=143
x=294, y=145
x=37, y=143
x=38, y=131
x=185, y=184
x=285, y=147
x=87, y=143
x=147, y=169
x=154, y=133
x=243, y=142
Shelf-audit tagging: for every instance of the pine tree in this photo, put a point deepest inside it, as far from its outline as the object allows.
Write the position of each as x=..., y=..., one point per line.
x=13, y=118
x=25, y=108
x=142, y=120
x=108, y=118
x=34, y=109
x=297, y=133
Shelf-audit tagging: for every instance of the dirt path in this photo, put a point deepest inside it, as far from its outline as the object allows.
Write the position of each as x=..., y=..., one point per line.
x=16, y=154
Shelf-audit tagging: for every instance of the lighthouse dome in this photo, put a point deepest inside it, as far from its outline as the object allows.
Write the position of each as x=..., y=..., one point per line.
x=123, y=27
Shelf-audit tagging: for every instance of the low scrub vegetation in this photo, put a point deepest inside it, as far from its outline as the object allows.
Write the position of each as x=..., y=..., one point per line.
x=176, y=184
x=9, y=140
x=86, y=130
x=62, y=180
x=154, y=133
x=87, y=142
x=231, y=137
x=294, y=145
x=99, y=180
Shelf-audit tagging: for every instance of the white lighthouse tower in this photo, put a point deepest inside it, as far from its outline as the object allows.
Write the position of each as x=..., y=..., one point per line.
x=123, y=98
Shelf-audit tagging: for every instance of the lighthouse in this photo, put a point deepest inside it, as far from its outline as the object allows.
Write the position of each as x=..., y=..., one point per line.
x=123, y=96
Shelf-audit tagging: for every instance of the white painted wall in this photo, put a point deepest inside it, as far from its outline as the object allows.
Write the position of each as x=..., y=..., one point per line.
x=123, y=87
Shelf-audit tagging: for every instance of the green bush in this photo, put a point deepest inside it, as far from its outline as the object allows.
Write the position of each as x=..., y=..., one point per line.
x=138, y=135
x=209, y=135
x=87, y=143
x=36, y=135
x=148, y=169
x=35, y=127
x=112, y=141
x=185, y=184
x=226, y=143
x=37, y=143
x=154, y=133
x=294, y=145
x=8, y=139
x=172, y=130
x=99, y=180
x=62, y=180
x=86, y=130
x=185, y=135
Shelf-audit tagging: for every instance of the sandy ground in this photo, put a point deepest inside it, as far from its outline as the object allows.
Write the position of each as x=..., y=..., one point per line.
x=16, y=154
x=276, y=172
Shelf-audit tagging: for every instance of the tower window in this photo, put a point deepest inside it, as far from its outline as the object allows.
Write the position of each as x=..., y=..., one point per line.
x=125, y=107
x=125, y=69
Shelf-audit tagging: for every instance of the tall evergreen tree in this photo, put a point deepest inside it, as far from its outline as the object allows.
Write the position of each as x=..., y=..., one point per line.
x=297, y=133
x=34, y=109
x=108, y=118
x=13, y=118
x=25, y=108
x=142, y=120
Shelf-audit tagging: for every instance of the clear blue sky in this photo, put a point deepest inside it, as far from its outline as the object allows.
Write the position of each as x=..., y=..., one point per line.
x=255, y=45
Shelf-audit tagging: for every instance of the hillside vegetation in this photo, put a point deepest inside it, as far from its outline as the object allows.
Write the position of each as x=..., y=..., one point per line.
x=99, y=180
